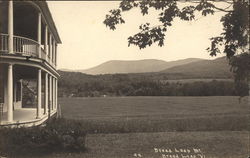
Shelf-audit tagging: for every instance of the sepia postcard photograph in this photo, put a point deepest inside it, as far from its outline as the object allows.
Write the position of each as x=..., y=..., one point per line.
x=124, y=79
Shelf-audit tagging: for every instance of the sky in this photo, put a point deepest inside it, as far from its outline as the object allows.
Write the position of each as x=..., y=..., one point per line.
x=87, y=42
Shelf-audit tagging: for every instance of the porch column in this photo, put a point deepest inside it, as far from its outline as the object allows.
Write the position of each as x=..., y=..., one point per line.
x=10, y=94
x=56, y=95
x=54, y=51
x=15, y=91
x=56, y=54
x=39, y=93
x=46, y=94
x=50, y=50
x=46, y=41
x=53, y=93
x=50, y=92
x=21, y=91
x=39, y=26
x=10, y=26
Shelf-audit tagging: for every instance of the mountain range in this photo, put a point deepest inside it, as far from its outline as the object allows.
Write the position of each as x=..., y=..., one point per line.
x=135, y=66
x=188, y=67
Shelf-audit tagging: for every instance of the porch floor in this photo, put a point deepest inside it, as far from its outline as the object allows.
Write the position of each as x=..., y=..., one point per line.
x=23, y=116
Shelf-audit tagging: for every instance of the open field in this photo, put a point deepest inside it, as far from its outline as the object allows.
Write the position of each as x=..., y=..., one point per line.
x=158, y=114
x=122, y=126
x=171, y=107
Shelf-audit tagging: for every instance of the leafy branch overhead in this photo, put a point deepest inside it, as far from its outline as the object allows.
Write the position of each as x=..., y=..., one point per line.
x=234, y=39
x=168, y=11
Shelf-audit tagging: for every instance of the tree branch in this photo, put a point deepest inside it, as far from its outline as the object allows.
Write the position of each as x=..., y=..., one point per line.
x=224, y=10
x=150, y=28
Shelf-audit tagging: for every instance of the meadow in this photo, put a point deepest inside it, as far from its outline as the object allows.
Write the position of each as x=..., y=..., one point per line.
x=129, y=107
x=135, y=126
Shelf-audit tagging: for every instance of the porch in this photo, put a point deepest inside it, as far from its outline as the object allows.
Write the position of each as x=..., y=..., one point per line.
x=28, y=95
x=25, y=117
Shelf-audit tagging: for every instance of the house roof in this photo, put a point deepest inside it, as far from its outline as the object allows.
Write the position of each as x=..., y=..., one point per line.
x=46, y=12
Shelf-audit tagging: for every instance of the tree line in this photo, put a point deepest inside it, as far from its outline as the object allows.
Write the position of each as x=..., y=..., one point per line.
x=74, y=84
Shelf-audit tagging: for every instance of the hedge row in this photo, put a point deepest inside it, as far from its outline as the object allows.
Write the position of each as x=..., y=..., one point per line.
x=56, y=136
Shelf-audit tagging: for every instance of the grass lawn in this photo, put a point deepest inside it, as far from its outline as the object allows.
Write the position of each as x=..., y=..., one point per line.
x=158, y=114
x=171, y=107
x=220, y=144
x=124, y=126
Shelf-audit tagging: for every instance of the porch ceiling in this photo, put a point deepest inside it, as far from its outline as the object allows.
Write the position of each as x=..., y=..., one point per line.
x=25, y=20
x=25, y=72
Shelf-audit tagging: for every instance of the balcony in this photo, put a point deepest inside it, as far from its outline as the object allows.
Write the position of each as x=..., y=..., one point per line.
x=27, y=29
x=23, y=46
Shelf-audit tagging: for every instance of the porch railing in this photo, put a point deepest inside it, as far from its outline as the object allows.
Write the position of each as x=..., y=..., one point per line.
x=23, y=46
x=4, y=43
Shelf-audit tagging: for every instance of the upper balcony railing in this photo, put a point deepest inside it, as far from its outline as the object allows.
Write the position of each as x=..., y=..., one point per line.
x=4, y=43
x=23, y=46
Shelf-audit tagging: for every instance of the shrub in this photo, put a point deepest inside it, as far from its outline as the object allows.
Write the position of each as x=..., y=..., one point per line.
x=56, y=136
x=71, y=133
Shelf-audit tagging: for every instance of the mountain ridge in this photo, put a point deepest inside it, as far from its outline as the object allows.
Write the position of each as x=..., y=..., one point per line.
x=135, y=66
x=218, y=67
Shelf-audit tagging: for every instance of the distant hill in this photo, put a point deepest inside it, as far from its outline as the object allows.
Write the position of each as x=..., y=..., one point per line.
x=67, y=70
x=135, y=66
x=218, y=68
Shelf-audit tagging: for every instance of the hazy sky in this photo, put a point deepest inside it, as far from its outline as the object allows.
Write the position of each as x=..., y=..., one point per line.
x=87, y=42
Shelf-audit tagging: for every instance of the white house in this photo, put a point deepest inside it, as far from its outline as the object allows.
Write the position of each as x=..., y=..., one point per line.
x=28, y=61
